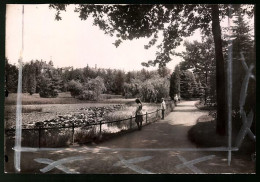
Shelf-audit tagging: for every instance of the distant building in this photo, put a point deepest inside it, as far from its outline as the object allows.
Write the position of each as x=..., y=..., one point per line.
x=69, y=68
x=46, y=67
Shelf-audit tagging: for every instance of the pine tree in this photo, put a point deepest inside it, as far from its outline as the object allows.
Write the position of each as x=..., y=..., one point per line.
x=243, y=43
x=175, y=82
x=188, y=84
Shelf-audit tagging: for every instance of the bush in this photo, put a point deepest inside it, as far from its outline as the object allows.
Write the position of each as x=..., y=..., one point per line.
x=85, y=135
x=87, y=95
x=154, y=89
x=46, y=93
x=93, y=89
x=47, y=88
x=97, y=87
x=75, y=88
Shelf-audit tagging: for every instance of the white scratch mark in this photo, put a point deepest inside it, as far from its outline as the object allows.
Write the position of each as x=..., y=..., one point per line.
x=60, y=167
x=134, y=160
x=132, y=166
x=190, y=164
x=216, y=149
x=58, y=162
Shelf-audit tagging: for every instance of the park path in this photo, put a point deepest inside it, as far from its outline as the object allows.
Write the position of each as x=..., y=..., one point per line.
x=154, y=149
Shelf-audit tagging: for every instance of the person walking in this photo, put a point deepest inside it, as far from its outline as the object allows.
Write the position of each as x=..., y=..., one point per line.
x=139, y=114
x=163, y=107
x=176, y=99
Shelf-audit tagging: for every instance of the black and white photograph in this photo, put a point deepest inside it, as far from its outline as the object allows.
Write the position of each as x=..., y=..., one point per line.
x=130, y=89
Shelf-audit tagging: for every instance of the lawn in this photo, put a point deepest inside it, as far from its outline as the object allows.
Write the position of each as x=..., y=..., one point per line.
x=63, y=98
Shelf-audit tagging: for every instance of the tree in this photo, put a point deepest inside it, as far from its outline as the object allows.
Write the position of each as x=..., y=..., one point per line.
x=163, y=71
x=153, y=90
x=93, y=89
x=88, y=73
x=200, y=57
x=175, y=82
x=174, y=21
x=147, y=91
x=11, y=77
x=29, y=78
x=132, y=89
x=75, y=88
x=49, y=81
x=188, y=85
x=108, y=81
x=162, y=87
x=47, y=88
x=243, y=43
x=118, y=82
x=129, y=76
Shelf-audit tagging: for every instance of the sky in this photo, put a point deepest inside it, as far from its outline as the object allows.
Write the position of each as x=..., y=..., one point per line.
x=72, y=42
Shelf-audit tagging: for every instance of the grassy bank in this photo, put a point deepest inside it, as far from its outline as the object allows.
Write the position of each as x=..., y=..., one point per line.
x=63, y=98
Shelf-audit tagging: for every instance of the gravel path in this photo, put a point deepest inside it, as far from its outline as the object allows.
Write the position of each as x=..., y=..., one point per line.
x=160, y=147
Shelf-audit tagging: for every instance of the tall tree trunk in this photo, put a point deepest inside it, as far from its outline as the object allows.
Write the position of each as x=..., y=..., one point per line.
x=220, y=72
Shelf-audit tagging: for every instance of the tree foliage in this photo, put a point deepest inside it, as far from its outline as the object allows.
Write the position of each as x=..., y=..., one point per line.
x=118, y=82
x=29, y=78
x=188, y=85
x=154, y=89
x=75, y=88
x=11, y=77
x=199, y=57
x=93, y=89
x=47, y=87
x=243, y=43
x=175, y=82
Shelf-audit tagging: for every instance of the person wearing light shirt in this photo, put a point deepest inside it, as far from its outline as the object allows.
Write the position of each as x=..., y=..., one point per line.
x=163, y=107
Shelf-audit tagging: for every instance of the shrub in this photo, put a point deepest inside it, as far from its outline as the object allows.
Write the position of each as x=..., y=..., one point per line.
x=47, y=88
x=97, y=87
x=87, y=95
x=75, y=88
x=154, y=89
x=93, y=89
x=85, y=135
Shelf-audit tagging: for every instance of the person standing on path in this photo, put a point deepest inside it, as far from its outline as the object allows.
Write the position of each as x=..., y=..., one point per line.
x=163, y=107
x=139, y=114
x=176, y=99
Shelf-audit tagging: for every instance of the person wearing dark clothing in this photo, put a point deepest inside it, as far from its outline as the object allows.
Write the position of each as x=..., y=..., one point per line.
x=139, y=114
x=6, y=93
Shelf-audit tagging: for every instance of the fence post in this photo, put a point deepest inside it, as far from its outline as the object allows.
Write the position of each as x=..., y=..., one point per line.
x=39, y=140
x=131, y=122
x=146, y=117
x=157, y=114
x=73, y=133
x=100, y=127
